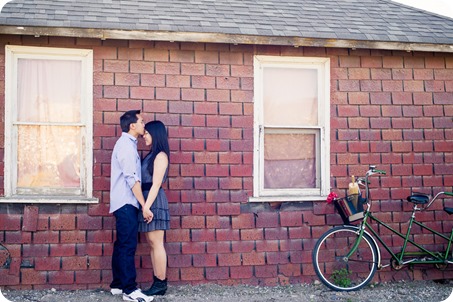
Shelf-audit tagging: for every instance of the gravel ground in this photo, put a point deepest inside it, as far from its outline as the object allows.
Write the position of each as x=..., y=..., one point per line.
x=420, y=291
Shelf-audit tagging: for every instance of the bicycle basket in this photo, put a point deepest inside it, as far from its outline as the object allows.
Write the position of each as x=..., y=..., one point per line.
x=350, y=208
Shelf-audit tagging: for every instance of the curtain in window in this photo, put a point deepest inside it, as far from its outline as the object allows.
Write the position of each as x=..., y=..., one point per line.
x=48, y=106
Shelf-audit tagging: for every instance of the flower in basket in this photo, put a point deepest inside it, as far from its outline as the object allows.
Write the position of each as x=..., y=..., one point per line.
x=331, y=197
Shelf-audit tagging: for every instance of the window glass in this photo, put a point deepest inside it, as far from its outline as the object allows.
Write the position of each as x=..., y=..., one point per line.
x=290, y=96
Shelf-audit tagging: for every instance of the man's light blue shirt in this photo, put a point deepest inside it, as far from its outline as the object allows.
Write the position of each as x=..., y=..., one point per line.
x=125, y=172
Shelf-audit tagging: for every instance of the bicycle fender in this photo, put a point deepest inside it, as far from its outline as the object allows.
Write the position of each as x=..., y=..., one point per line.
x=353, y=227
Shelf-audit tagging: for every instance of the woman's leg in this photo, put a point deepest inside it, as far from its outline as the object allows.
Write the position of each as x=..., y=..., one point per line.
x=158, y=253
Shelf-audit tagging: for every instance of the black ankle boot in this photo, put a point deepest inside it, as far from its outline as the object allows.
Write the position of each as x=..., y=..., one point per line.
x=158, y=288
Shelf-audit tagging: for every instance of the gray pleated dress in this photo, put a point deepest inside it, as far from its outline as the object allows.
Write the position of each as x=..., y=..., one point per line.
x=161, y=220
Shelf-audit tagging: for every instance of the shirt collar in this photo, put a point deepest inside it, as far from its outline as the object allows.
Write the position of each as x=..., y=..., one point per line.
x=132, y=138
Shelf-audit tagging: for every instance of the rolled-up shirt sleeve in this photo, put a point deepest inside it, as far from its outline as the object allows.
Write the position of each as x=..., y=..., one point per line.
x=128, y=162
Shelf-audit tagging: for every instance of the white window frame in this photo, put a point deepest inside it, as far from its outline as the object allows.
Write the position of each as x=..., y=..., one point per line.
x=322, y=65
x=85, y=56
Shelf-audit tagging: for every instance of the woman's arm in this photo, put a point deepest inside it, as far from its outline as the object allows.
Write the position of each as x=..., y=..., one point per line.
x=160, y=167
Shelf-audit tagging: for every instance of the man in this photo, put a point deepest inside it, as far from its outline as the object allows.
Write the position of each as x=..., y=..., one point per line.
x=125, y=197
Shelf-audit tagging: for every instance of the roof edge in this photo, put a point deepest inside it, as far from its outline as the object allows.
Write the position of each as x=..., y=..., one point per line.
x=105, y=34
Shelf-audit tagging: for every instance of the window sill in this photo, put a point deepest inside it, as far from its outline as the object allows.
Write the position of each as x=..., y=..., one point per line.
x=48, y=199
x=287, y=198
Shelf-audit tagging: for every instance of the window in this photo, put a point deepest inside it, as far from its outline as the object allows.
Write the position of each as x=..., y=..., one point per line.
x=292, y=128
x=48, y=125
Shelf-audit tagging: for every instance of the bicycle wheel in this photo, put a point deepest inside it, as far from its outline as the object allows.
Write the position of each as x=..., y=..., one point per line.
x=334, y=270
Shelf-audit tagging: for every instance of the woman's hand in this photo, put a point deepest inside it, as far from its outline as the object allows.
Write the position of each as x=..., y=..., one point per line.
x=148, y=215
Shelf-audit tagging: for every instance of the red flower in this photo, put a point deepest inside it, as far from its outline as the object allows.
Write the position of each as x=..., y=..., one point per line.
x=331, y=197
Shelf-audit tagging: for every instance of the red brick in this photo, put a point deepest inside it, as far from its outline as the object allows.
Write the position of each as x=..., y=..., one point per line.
x=203, y=235
x=85, y=222
x=217, y=273
x=267, y=220
x=349, y=85
x=88, y=277
x=252, y=234
x=401, y=123
x=227, y=83
x=193, y=196
x=193, y=247
x=192, y=274
x=192, y=69
x=17, y=237
x=204, y=260
x=62, y=250
x=182, y=56
x=30, y=276
x=92, y=249
x=141, y=67
x=46, y=237
x=181, y=235
x=35, y=250
x=241, y=272
x=348, y=61
x=218, y=247
x=203, y=209
x=217, y=70
x=192, y=145
x=193, y=222
x=227, y=234
x=443, y=74
x=243, y=221
x=254, y=258
x=74, y=263
x=116, y=92
x=242, y=246
x=105, y=52
x=442, y=97
x=207, y=57
x=422, y=123
x=293, y=218
x=266, y=271
x=192, y=94
x=47, y=264
x=402, y=74
x=156, y=55
x=167, y=68
x=229, y=259
x=10, y=222
x=358, y=73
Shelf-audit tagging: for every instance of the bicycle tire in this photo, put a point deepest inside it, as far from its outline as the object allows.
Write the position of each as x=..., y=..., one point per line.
x=330, y=266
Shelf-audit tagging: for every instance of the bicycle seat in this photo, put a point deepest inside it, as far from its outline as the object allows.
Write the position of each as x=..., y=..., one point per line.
x=418, y=198
x=448, y=210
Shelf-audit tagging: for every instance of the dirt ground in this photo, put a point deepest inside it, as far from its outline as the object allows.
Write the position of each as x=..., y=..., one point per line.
x=421, y=291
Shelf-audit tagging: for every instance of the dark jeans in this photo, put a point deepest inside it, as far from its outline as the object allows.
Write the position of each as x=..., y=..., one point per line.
x=123, y=262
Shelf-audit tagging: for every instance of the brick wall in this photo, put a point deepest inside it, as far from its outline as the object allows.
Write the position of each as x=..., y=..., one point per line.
x=389, y=108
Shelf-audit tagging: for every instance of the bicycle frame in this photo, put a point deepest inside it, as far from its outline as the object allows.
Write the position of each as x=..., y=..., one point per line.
x=436, y=257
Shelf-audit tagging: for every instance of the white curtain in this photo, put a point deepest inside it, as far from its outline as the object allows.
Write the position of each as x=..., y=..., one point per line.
x=48, y=104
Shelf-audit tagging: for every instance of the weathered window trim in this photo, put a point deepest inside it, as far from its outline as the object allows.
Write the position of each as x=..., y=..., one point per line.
x=85, y=56
x=323, y=66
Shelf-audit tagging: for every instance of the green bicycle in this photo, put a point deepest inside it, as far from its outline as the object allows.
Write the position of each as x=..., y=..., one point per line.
x=346, y=257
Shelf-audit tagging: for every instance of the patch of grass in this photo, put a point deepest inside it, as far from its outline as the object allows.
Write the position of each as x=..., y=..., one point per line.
x=341, y=277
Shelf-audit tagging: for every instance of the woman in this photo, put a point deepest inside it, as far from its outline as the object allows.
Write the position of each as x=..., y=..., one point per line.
x=154, y=173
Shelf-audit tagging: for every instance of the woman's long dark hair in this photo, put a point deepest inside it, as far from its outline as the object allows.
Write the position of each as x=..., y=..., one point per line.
x=159, y=141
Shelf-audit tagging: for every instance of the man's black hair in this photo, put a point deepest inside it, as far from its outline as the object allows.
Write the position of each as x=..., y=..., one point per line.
x=128, y=118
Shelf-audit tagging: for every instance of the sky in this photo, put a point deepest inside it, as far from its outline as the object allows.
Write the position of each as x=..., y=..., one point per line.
x=441, y=7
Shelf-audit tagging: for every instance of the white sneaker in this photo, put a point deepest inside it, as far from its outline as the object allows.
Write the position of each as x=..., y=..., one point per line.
x=116, y=291
x=137, y=296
